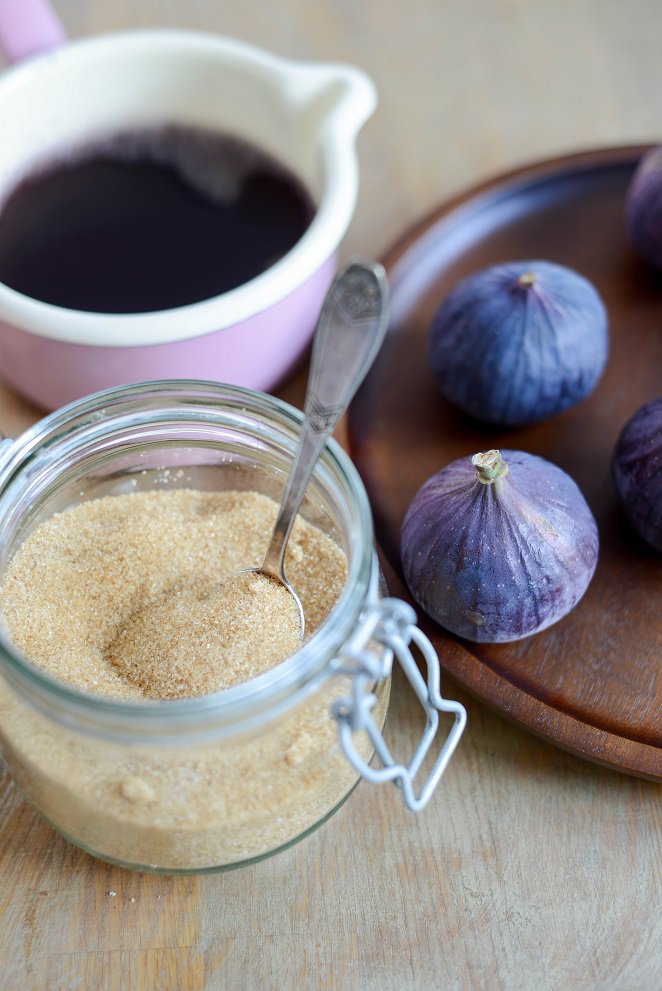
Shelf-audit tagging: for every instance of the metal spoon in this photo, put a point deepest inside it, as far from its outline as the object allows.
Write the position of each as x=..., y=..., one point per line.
x=349, y=333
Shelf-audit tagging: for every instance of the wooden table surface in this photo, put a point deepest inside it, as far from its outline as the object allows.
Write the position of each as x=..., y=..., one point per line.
x=529, y=869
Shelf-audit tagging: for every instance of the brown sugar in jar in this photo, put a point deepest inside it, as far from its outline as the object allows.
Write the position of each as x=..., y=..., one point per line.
x=141, y=714
x=124, y=596
x=138, y=575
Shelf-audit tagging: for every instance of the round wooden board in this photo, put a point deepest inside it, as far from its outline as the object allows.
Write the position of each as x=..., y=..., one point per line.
x=591, y=683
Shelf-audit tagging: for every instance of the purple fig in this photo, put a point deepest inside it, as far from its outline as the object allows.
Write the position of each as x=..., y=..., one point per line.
x=520, y=342
x=637, y=471
x=643, y=208
x=498, y=546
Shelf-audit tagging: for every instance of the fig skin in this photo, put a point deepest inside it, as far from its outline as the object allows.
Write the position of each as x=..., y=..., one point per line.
x=520, y=342
x=636, y=468
x=501, y=559
x=643, y=208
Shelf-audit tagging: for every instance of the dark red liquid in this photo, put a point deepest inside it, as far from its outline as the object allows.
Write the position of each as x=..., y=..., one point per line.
x=148, y=221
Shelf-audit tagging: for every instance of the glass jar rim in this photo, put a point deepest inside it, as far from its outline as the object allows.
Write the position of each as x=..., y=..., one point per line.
x=248, y=703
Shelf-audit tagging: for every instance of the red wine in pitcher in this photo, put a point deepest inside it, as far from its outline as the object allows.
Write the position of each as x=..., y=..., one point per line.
x=149, y=220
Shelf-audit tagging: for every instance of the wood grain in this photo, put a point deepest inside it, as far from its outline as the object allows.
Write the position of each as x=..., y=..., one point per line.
x=531, y=870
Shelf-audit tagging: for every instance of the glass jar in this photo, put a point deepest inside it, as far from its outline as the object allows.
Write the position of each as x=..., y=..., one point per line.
x=210, y=782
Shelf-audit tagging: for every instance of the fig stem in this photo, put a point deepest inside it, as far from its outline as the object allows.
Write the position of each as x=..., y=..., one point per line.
x=489, y=466
x=527, y=279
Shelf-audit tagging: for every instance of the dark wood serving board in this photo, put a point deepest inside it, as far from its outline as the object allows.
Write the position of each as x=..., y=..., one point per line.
x=593, y=682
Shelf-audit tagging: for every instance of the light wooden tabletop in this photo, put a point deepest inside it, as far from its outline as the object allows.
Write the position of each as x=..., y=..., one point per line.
x=530, y=870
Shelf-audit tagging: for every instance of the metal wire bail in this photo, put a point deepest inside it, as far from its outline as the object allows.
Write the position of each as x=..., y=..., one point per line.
x=392, y=624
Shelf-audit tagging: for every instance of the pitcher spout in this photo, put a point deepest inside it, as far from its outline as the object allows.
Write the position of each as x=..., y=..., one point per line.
x=340, y=97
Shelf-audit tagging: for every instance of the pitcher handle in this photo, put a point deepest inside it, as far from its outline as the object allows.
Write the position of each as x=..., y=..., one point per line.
x=28, y=27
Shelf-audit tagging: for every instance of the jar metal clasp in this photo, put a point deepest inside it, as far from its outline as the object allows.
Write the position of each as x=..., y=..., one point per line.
x=391, y=623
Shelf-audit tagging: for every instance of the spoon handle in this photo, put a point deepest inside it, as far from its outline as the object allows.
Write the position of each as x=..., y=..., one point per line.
x=349, y=333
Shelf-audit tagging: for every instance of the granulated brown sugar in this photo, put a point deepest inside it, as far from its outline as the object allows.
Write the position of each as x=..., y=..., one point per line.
x=195, y=639
x=124, y=596
x=69, y=597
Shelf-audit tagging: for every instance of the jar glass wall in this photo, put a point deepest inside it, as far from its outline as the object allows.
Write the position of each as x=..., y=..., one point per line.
x=202, y=783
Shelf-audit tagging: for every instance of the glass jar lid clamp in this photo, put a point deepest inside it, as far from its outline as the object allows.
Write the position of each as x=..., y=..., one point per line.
x=391, y=623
